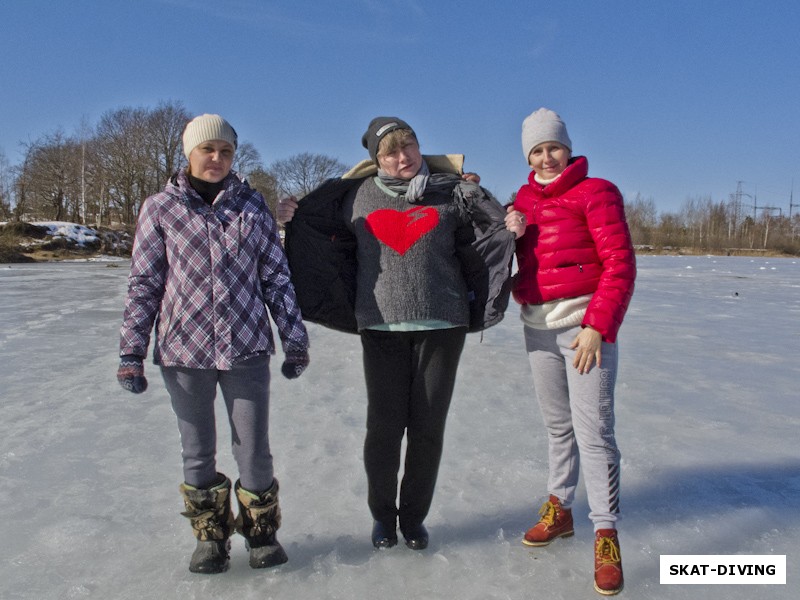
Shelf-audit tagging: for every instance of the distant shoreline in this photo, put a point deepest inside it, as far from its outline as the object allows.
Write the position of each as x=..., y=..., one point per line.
x=75, y=255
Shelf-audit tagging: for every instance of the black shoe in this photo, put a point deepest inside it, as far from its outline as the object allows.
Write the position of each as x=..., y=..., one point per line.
x=416, y=536
x=383, y=536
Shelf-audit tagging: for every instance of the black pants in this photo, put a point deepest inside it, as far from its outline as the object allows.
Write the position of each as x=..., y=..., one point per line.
x=410, y=379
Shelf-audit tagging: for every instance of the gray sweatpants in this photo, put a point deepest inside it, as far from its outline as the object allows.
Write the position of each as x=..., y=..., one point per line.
x=578, y=412
x=245, y=389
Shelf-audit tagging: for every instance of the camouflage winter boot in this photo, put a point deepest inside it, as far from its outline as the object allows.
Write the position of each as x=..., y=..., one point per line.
x=209, y=511
x=259, y=518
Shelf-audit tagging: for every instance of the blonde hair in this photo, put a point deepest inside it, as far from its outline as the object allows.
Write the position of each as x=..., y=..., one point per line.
x=394, y=140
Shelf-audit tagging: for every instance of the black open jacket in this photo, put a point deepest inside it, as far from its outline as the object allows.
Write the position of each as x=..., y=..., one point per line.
x=322, y=256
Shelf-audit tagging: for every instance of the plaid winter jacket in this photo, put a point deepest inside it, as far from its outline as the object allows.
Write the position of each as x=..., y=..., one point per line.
x=205, y=275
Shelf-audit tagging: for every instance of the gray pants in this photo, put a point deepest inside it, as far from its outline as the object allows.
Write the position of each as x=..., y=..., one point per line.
x=245, y=389
x=578, y=412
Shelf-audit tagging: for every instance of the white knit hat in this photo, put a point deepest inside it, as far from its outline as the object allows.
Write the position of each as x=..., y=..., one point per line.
x=543, y=125
x=207, y=127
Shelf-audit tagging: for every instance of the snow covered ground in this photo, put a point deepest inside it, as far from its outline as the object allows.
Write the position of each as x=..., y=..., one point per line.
x=79, y=233
x=708, y=419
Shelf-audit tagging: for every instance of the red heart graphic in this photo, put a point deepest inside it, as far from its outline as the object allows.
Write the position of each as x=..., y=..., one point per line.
x=401, y=230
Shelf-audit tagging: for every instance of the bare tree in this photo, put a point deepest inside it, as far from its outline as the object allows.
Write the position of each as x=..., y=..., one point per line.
x=735, y=212
x=642, y=218
x=52, y=181
x=695, y=213
x=266, y=185
x=247, y=163
x=122, y=143
x=94, y=202
x=304, y=172
x=670, y=232
x=6, y=187
x=165, y=132
x=246, y=160
x=22, y=176
x=135, y=151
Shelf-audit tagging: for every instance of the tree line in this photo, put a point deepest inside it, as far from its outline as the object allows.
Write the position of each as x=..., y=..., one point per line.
x=100, y=176
x=724, y=227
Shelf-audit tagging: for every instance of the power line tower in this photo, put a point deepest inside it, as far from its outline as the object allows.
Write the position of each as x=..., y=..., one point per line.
x=740, y=194
x=792, y=227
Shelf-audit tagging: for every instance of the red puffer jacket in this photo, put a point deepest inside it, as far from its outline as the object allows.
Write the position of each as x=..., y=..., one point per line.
x=577, y=243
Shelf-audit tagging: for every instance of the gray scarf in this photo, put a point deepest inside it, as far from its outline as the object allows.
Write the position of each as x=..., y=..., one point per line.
x=413, y=189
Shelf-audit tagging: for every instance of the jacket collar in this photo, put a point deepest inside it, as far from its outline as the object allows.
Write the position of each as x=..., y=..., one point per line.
x=577, y=170
x=182, y=188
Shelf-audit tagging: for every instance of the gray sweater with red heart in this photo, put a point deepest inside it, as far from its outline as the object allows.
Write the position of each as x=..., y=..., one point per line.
x=408, y=257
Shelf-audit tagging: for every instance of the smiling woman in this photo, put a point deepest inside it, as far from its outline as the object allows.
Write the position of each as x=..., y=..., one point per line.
x=576, y=278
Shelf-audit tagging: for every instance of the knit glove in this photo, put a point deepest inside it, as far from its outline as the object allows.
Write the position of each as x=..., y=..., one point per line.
x=295, y=363
x=131, y=373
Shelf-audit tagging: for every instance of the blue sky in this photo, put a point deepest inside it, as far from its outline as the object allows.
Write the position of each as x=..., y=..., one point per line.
x=671, y=99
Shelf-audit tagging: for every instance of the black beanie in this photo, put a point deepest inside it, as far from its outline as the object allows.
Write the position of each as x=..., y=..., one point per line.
x=378, y=128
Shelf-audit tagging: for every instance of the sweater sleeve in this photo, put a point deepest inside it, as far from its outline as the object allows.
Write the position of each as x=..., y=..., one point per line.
x=605, y=217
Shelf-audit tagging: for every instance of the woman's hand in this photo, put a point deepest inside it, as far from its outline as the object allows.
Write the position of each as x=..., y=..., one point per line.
x=515, y=222
x=286, y=208
x=587, y=345
x=473, y=177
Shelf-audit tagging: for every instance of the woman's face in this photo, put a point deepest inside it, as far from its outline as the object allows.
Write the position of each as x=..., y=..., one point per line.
x=402, y=163
x=211, y=161
x=549, y=159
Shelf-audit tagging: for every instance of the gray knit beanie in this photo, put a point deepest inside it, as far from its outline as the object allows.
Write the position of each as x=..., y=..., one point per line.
x=540, y=126
x=207, y=127
x=378, y=128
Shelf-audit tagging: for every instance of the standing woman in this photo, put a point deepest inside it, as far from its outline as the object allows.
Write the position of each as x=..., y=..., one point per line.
x=207, y=263
x=411, y=254
x=576, y=276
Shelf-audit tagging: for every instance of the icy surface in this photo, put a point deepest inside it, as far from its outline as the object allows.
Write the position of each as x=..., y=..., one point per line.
x=707, y=420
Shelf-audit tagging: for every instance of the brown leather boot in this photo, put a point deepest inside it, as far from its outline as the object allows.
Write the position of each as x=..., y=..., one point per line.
x=607, y=563
x=555, y=522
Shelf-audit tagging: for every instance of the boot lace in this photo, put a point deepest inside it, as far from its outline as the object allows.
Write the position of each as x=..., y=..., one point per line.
x=607, y=551
x=264, y=524
x=260, y=520
x=207, y=525
x=548, y=513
